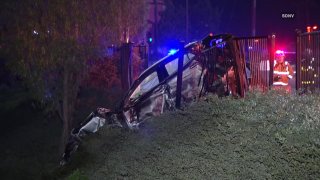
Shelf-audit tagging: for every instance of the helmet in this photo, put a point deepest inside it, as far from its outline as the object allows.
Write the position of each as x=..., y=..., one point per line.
x=279, y=53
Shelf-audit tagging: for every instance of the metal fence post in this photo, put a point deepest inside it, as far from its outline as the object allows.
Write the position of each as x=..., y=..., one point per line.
x=179, y=75
x=144, y=57
x=126, y=65
x=271, y=57
x=298, y=61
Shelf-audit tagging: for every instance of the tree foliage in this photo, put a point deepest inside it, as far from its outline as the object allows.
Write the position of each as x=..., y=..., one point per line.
x=103, y=74
x=48, y=43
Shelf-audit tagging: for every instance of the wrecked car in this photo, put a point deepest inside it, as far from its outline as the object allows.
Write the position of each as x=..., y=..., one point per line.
x=212, y=65
x=208, y=66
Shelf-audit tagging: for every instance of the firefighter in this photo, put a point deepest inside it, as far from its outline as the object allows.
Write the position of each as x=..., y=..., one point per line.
x=282, y=72
x=229, y=80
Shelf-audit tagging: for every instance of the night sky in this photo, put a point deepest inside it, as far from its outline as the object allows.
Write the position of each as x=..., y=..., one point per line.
x=237, y=17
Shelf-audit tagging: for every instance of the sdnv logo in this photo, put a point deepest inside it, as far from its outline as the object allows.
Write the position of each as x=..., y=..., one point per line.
x=288, y=15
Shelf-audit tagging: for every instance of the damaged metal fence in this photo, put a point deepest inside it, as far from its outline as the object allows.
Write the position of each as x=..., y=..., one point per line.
x=139, y=61
x=133, y=61
x=308, y=61
x=258, y=55
x=225, y=69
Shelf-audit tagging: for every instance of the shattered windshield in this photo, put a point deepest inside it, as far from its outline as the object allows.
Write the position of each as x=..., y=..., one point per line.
x=172, y=66
x=147, y=84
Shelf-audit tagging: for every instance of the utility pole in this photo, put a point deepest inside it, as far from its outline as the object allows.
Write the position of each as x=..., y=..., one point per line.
x=187, y=21
x=254, y=7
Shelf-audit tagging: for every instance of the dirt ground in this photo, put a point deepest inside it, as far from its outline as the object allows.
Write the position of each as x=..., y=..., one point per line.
x=271, y=136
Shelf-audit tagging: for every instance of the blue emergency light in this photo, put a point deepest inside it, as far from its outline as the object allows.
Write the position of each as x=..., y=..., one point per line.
x=172, y=51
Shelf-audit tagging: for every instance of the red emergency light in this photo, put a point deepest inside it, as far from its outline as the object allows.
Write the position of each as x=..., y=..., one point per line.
x=315, y=27
x=308, y=29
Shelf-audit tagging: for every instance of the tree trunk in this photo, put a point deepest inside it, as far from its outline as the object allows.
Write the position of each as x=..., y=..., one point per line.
x=65, y=110
x=70, y=90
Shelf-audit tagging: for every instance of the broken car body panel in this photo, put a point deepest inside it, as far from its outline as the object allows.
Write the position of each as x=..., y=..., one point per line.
x=154, y=91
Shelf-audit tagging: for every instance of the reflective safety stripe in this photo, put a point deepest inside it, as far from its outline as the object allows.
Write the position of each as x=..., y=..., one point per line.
x=280, y=83
x=281, y=73
x=290, y=76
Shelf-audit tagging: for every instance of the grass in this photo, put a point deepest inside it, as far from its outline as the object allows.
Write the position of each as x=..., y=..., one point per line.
x=77, y=175
x=273, y=135
x=263, y=136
